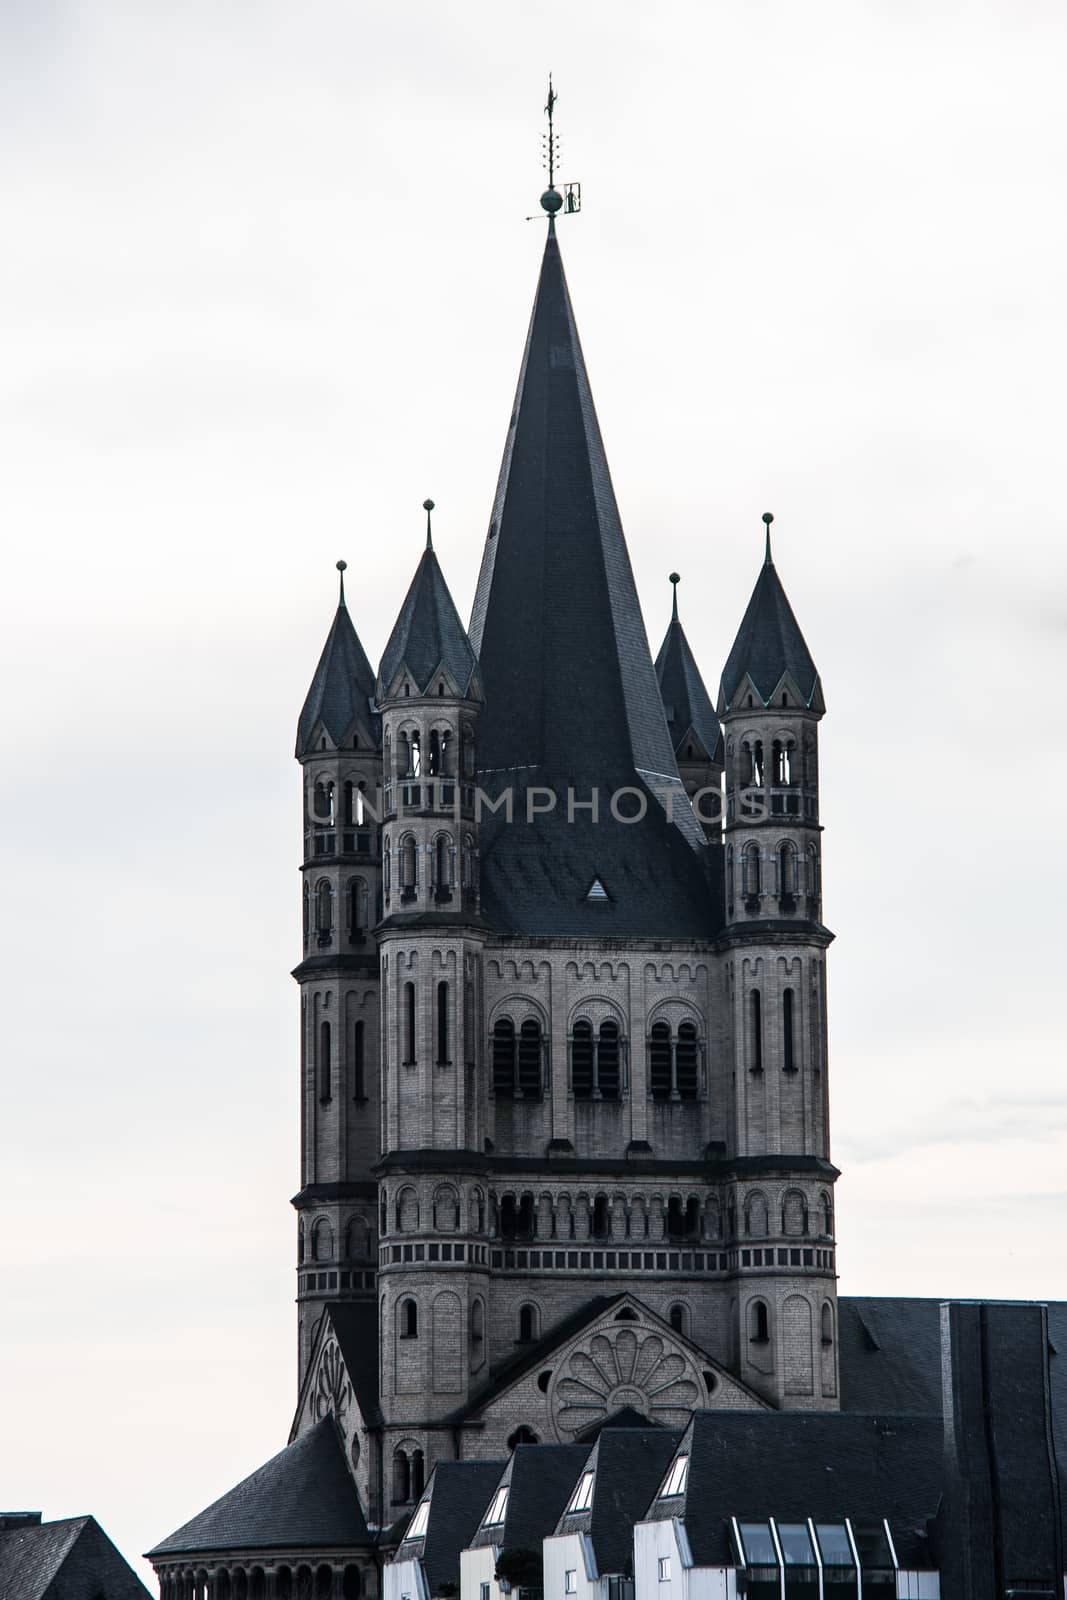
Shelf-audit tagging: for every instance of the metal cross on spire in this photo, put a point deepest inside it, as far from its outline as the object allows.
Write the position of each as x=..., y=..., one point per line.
x=570, y=201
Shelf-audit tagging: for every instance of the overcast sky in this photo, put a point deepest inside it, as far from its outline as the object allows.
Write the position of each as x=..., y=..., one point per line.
x=264, y=282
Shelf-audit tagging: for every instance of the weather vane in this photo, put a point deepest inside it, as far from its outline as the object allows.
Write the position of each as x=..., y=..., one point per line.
x=570, y=201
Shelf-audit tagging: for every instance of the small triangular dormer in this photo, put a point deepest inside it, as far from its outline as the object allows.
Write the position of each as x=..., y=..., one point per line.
x=597, y=893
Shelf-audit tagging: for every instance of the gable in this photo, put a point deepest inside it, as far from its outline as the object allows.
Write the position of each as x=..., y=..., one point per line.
x=624, y=1357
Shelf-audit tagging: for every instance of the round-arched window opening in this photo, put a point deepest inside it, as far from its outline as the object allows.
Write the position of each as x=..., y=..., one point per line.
x=711, y=1382
x=522, y=1435
x=544, y=1379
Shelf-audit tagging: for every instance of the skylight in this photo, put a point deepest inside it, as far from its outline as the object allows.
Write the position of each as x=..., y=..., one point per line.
x=582, y=1496
x=417, y=1526
x=498, y=1510
x=676, y=1478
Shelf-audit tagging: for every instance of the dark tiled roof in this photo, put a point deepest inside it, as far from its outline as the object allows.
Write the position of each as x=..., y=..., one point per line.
x=536, y=877
x=356, y=1325
x=69, y=1560
x=303, y=1498
x=793, y=1465
x=890, y=1354
x=342, y=688
x=685, y=699
x=540, y=1478
x=459, y=1493
x=769, y=644
x=428, y=634
x=572, y=699
x=629, y=1464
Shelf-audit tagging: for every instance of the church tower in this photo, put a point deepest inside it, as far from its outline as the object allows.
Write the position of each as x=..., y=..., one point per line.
x=339, y=748
x=780, y=1203
x=433, y=1200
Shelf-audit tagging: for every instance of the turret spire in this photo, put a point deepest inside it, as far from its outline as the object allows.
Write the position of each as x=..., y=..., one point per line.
x=769, y=646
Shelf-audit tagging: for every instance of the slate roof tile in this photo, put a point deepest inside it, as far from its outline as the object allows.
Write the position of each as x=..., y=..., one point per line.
x=302, y=1498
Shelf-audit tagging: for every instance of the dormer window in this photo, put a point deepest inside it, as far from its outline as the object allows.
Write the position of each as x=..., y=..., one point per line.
x=416, y=1528
x=677, y=1478
x=498, y=1509
x=582, y=1497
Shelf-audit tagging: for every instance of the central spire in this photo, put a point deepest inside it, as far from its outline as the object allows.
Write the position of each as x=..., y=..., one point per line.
x=572, y=699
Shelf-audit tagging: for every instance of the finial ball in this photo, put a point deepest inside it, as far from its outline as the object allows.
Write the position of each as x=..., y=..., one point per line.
x=768, y=517
x=551, y=201
x=427, y=505
x=342, y=566
x=674, y=577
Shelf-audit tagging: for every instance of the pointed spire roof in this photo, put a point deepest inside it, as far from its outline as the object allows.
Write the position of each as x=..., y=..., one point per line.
x=343, y=686
x=769, y=646
x=571, y=695
x=428, y=633
x=685, y=699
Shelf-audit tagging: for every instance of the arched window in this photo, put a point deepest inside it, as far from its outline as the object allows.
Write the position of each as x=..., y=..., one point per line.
x=322, y=802
x=601, y=1220
x=383, y=1215
x=582, y=1060
x=730, y=879
x=325, y=1064
x=504, y=1056
x=750, y=872
x=409, y=1319
x=827, y=1323
x=478, y=1199
x=607, y=1065
x=675, y=1218
x=443, y=865
x=359, y=1087
x=788, y=1061
x=522, y=1435
x=692, y=1217
x=357, y=905
x=357, y=1240
x=467, y=753
x=527, y=1324
x=477, y=1322
x=403, y=756
x=787, y=871
x=443, y=1054
x=407, y=1210
x=758, y=1322
x=752, y=763
x=659, y=1061
x=516, y=1217
x=323, y=906
x=322, y=1241
x=409, y=1024
x=418, y=1473
x=783, y=761
x=756, y=1031
x=415, y=762
x=387, y=866
x=409, y=865
x=401, y=1478
x=678, y=1319
x=446, y=1209
x=307, y=910
x=470, y=864
x=687, y=1053
x=756, y=1217
x=813, y=872
x=434, y=766
x=530, y=1059
x=827, y=1215
x=794, y=1214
